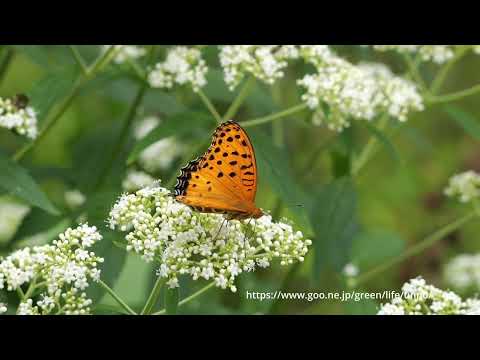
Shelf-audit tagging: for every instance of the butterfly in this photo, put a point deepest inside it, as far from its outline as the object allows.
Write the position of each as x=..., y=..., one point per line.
x=224, y=179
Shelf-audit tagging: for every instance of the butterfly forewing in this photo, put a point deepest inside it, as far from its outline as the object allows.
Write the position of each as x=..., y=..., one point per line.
x=224, y=179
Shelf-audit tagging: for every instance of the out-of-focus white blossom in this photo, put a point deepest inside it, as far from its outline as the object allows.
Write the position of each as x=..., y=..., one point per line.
x=74, y=198
x=11, y=214
x=161, y=154
x=186, y=242
x=356, y=92
x=438, y=54
x=182, y=66
x=264, y=62
x=135, y=180
x=126, y=52
x=59, y=273
x=465, y=186
x=420, y=298
x=462, y=273
x=3, y=308
x=22, y=120
x=350, y=270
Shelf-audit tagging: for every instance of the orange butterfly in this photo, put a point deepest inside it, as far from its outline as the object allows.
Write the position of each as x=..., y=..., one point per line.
x=224, y=179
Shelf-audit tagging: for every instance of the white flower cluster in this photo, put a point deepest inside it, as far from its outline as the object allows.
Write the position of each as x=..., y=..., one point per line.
x=264, y=62
x=3, y=308
x=161, y=154
x=464, y=186
x=359, y=92
x=438, y=54
x=124, y=53
x=136, y=180
x=201, y=245
x=463, y=273
x=420, y=298
x=22, y=120
x=57, y=274
x=11, y=214
x=182, y=66
x=74, y=198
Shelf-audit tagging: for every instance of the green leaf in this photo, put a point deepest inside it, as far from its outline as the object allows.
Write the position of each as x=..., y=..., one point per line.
x=17, y=181
x=50, y=57
x=46, y=92
x=273, y=168
x=171, y=300
x=466, y=120
x=335, y=224
x=177, y=124
x=374, y=247
x=384, y=140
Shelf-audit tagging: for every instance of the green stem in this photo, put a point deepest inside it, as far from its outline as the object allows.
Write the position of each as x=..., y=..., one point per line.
x=153, y=297
x=414, y=250
x=123, y=134
x=369, y=149
x=263, y=120
x=442, y=74
x=120, y=302
x=414, y=72
x=242, y=95
x=50, y=123
x=5, y=62
x=31, y=289
x=189, y=298
x=210, y=106
x=79, y=59
x=102, y=61
x=454, y=96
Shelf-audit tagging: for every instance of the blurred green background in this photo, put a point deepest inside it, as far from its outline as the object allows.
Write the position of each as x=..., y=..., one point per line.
x=395, y=202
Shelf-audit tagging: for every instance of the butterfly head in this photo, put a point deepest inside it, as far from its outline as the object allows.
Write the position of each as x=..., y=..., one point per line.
x=257, y=213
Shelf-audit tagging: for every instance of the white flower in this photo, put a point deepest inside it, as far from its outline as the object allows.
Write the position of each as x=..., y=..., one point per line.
x=463, y=272
x=3, y=308
x=436, y=53
x=464, y=186
x=265, y=62
x=135, y=180
x=420, y=298
x=350, y=270
x=22, y=120
x=63, y=267
x=355, y=91
x=161, y=154
x=186, y=242
x=74, y=198
x=126, y=52
x=182, y=66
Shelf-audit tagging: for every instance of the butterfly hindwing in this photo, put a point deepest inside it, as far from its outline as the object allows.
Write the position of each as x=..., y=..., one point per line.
x=224, y=178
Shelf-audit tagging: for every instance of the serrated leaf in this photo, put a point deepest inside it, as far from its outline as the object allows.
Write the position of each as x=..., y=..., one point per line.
x=17, y=181
x=466, y=120
x=335, y=224
x=273, y=168
x=177, y=124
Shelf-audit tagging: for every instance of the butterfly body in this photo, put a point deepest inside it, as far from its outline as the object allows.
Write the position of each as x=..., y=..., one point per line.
x=224, y=179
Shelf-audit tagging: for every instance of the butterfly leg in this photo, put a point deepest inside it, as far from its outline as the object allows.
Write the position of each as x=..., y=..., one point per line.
x=219, y=230
x=245, y=238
